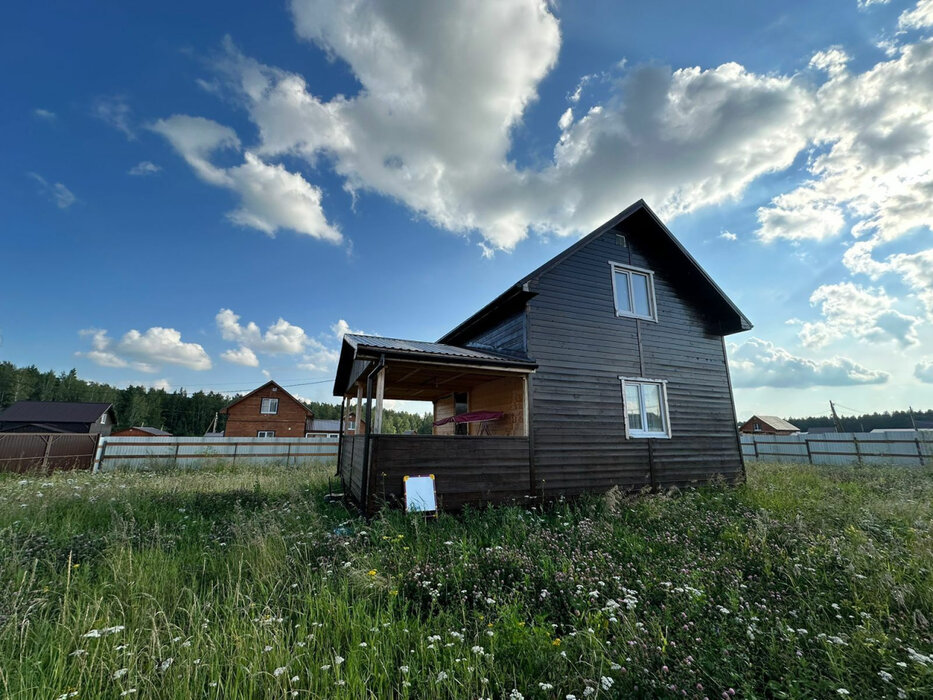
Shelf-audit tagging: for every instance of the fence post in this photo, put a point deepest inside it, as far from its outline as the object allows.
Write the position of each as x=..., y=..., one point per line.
x=288, y=454
x=858, y=450
x=806, y=441
x=234, y=454
x=101, y=448
x=755, y=445
x=48, y=449
x=175, y=459
x=919, y=449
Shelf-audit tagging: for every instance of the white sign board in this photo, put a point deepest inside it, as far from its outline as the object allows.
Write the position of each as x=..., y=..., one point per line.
x=419, y=494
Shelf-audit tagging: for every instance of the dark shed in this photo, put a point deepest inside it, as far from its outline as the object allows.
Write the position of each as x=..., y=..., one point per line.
x=57, y=417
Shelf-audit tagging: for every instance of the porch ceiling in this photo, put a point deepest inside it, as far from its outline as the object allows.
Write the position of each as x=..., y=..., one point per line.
x=417, y=381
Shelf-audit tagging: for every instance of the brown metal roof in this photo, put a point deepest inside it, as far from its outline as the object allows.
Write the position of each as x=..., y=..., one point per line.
x=776, y=423
x=54, y=412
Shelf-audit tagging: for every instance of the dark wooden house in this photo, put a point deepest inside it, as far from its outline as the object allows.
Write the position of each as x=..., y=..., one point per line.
x=768, y=425
x=604, y=367
x=57, y=417
x=268, y=411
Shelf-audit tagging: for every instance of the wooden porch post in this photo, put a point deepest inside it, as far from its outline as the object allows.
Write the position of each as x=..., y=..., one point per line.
x=359, y=408
x=380, y=393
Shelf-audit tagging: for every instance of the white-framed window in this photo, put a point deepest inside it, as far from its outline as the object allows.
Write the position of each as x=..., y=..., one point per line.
x=757, y=427
x=269, y=406
x=265, y=433
x=351, y=425
x=645, y=407
x=103, y=419
x=633, y=292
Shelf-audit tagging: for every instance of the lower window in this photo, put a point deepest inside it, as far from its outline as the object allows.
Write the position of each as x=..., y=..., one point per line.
x=645, y=405
x=265, y=433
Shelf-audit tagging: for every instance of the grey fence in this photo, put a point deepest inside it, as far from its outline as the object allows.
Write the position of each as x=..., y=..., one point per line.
x=169, y=452
x=897, y=447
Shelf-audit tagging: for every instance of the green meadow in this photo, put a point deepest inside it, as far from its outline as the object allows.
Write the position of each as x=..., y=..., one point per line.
x=807, y=582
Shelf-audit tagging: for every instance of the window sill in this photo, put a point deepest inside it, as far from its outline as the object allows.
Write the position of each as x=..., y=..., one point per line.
x=662, y=436
x=622, y=314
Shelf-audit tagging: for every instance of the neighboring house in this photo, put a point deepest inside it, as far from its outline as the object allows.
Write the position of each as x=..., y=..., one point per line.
x=324, y=428
x=604, y=367
x=57, y=417
x=140, y=431
x=768, y=425
x=268, y=411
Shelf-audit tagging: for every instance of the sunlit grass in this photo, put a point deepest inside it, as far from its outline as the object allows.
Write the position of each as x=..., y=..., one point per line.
x=808, y=582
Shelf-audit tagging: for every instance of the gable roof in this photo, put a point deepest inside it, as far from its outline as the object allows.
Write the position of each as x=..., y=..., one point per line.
x=513, y=299
x=230, y=405
x=775, y=422
x=55, y=412
x=155, y=432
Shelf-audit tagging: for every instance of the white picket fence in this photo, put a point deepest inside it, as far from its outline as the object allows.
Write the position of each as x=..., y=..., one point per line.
x=896, y=447
x=168, y=452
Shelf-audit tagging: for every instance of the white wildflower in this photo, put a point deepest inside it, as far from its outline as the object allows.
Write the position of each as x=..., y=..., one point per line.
x=82, y=652
x=325, y=667
x=477, y=650
x=606, y=682
x=885, y=676
x=119, y=673
x=130, y=691
x=842, y=691
x=546, y=686
x=279, y=671
x=515, y=695
x=403, y=669
x=164, y=666
x=442, y=676
x=266, y=648
x=338, y=660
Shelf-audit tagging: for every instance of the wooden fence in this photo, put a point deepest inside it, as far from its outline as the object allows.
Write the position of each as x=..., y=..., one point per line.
x=22, y=452
x=169, y=452
x=897, y=447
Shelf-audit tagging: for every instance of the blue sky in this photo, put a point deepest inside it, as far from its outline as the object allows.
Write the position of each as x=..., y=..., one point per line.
x=206, y=195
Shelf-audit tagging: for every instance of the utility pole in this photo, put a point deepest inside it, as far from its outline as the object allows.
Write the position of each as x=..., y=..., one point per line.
x=836, y=421
x=910, y=412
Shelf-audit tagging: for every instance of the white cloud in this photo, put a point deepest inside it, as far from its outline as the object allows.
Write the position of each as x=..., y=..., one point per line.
x=832, y=60
x=915, y=269
x=917, y=18
x=280, y=338
x=116, y=112
x=57, y=192
x=162, y=384
x=853, y=311
x=241, y=356
x=322, y=359
x=145, y=167
x=145, y=351
x=44, y=114
x=760, y=363
x=341, y=328
x=728, y=236
x=924, y=371
x=271, y=197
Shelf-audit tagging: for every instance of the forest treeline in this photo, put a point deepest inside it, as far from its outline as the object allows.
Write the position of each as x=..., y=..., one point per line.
x=179, y=412
x=866, y=422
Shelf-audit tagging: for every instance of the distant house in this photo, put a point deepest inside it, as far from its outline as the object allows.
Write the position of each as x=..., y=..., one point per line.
x=57, y=417
x=268, y=411
x=325, y=428
x=604, y=367
x=140, y=431
x=768, y=425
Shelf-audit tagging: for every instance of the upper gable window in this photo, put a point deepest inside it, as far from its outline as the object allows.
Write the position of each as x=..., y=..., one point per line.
x=269, y=406
x=633, y=290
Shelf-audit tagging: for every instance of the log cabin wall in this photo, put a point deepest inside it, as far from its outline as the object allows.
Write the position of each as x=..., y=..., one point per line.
x=444, y=408
x=507, y=395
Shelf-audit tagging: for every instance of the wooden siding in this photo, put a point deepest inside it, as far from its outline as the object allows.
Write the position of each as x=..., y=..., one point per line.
x=582, y=348
x=467, y=469
x=444, y=408
x=507, y=395
x=244, y=418
x=351, y=465
x=507, y=337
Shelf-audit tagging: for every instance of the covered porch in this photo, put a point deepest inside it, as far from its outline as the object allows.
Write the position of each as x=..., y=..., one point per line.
x=479, y=449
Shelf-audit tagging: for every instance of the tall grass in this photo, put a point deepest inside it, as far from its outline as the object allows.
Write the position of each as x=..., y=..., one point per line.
x=807, y=582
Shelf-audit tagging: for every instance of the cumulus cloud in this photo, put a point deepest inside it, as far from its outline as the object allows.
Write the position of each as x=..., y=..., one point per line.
x=115, y=111
x=280, y=338
x=161, y=384
x=56, y=192
x=853, y=311
x=145, y=351
x=760, y=363
x=271, y=197
x=917, y=18
x=145, y=168
x=241, y=356
x=728, y=236
x=341, y=328
x=924, y=371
